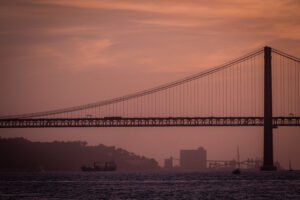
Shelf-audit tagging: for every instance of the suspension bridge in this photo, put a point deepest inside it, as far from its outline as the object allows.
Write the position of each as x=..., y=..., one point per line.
x=261, y=88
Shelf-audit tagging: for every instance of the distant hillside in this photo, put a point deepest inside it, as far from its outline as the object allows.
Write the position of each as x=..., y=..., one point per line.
x=19, y=154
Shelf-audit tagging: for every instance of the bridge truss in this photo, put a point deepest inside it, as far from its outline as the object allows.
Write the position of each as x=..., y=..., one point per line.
x=145, y=122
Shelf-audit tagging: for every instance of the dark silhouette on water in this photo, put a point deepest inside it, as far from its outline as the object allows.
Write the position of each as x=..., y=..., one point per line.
x=108, y=166
x=290, y=166
x=237, y=171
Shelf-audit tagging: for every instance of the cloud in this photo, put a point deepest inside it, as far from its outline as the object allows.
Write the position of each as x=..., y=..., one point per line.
x=215, y=8
x=148, y=35
x=270, y=18
x=75, y=53
x=174, y=22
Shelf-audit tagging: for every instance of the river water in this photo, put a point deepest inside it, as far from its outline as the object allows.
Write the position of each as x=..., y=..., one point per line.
x=117, y=185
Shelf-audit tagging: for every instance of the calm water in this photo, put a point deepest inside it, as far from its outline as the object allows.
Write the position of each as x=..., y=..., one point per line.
x=222, y=185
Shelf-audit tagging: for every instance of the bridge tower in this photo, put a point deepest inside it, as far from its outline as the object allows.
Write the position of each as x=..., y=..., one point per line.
x=268, y=124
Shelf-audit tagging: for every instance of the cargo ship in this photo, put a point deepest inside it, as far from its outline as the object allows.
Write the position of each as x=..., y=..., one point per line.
x=107, y=166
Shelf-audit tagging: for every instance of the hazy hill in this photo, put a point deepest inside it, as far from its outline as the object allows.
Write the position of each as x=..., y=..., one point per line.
x=19, y=154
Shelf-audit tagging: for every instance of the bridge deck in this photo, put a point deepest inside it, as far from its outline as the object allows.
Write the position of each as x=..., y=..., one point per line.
x=145, y=122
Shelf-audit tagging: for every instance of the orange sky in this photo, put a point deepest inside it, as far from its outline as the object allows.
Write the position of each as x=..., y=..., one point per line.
x=60, y=53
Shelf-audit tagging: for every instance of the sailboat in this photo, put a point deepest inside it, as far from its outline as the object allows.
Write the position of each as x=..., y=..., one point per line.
x=237, y=171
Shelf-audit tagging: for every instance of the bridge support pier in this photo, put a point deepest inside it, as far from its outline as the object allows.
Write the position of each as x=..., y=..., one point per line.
x=268, y=124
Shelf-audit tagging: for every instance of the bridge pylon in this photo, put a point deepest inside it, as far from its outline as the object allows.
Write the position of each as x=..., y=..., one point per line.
x=268, y=164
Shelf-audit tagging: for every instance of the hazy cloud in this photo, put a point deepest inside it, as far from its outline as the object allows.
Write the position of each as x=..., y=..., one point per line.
x=145, y=34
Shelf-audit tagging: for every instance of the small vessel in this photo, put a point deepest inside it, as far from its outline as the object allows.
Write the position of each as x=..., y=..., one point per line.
x=290, y=166
x=236, y=171
x=107, y=166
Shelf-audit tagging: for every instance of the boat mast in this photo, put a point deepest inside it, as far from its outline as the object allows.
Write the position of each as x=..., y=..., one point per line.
x=238, y=157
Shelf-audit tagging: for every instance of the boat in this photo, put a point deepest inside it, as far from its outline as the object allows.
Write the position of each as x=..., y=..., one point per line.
x=107, y=166
x=236, y=171
x=290, y=166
